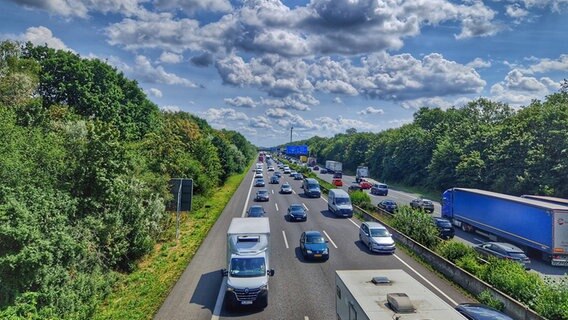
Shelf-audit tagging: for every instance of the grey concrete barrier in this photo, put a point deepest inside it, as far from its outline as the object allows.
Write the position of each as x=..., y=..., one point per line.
x=464, y=279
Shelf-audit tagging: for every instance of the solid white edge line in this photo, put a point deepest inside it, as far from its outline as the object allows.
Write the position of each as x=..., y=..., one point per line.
x=305, y=207
x=248, y=197
x=220, y=298
x=306, y=318
x=327, y=235
x=355, y=223
x=276, y=204
x=285, y=239
x=426, y=280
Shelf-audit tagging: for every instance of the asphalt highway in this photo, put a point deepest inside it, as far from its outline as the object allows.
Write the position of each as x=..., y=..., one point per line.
x=299, y=289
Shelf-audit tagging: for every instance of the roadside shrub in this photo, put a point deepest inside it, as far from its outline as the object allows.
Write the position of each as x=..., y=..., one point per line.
x=417, y=225
x=486, y=298
x=552, y=301
x=359, y=198
x=471, y=264
x=453, y=250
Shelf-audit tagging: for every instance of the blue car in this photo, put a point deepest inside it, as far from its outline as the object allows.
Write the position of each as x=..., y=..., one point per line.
x=313, y=245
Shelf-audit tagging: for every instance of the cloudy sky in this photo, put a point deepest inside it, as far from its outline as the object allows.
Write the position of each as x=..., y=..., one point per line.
x=319, y=66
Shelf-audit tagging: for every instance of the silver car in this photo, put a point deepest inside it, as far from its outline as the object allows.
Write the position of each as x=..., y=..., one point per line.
x=376, y=237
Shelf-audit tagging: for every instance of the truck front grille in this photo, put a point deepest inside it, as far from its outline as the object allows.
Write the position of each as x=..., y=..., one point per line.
x=247, y=294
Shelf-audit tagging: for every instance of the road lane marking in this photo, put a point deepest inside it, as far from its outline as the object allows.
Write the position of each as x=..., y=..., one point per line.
x=353, y=222
x=324, y=199
x=306, y=318
x=285, y=239
x=272, y=191
x=294, y=192
x=327, y=235
x=276, y=204
x=219, y=302
x=247, y=201
x=305, y=207
x=426, y=280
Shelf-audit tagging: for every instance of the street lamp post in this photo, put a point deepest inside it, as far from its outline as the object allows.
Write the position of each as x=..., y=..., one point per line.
x=291, y=128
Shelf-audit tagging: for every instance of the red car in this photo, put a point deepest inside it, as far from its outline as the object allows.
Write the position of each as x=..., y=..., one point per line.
x=337, y=182
x=364, y=184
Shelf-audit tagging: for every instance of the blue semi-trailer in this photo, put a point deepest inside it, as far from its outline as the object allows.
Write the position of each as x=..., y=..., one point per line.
x=534, y=225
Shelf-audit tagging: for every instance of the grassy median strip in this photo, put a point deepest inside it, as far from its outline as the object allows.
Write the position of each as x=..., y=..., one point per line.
x=140, y=294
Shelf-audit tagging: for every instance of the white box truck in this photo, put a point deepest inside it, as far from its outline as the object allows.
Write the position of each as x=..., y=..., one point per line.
x=333, y=166
x=248, y=263
x=385, y=295
x=362, y=172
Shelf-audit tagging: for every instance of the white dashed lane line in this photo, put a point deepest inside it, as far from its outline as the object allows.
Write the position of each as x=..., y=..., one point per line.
x=276, y=205
x=305, y=207
x=327, y=235
x=285, y=239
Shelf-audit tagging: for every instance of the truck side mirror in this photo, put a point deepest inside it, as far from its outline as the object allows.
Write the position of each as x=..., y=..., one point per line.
x=224, y=272
x=270, y=272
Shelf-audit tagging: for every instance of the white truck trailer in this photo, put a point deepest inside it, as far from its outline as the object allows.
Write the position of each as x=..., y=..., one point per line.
x=248, y=263
x=333, y=166
x=362, y=172
x=387, y=295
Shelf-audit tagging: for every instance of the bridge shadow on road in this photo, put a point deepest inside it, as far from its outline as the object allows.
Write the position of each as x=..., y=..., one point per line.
x=205, y=293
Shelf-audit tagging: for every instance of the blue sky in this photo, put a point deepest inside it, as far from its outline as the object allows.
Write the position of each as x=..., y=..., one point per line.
x=320, y=66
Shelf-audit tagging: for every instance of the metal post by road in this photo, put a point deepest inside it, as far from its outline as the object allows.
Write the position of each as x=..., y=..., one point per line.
x=178, y=208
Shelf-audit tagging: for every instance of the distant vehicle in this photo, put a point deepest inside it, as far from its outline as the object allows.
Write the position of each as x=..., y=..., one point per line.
x=337, y=182
x=278, y=174
x=287, y=170
x=388, y=205
x=313, y=245
x=315, y=168
x=303, y=159
x=423, y=204
x=361, y=173
x=258, y=175
x=333, y=166
x=256, y=211
x=323, y=170
x=298, y=176
x=445, y=228
x=339, y=203
x=380, y=189
x=354, y=187
x=376, y=237
x=312, y=161
x=293, y=173
x=259, y=182
x=270, y=168
x=503, y=250
x=476, y=311
x=297, y=212
x=365, y=184
x=261, y=195
x=285, y=188
x=274, y=179
x=533, y=225
x=337, y=175
x=311, y=188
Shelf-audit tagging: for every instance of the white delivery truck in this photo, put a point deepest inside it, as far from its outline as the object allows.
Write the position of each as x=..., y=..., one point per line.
x=333, y=166
x=362, y=172
x=248, y=263
x=386, y=295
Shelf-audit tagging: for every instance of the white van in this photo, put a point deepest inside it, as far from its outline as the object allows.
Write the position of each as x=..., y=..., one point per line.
x=339, y=203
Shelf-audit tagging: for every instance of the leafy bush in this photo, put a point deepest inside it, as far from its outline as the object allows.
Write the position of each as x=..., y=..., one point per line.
x=417, y=225
x=552, y=302
x=453, y=250
x=486, y=298
x=359, y=198
x=470, y=263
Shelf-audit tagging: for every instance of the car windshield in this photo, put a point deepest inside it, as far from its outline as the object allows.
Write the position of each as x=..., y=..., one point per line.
x=341, y=201
x=482, y=313
x=247, y=267
x=389, y=203
x=517, y=255
x=444, y=223
x=262, y=192
x=312, y=186
x=315, y=239
x=296, y=208
x=284, y=186
x=379, y=233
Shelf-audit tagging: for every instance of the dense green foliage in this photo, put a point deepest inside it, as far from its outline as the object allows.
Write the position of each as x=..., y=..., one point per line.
x=416, y=224
x=484, y=145
x=85, y=164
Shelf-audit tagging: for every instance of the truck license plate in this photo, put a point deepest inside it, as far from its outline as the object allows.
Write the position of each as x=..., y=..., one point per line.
x=246, y=302
x=317, y=255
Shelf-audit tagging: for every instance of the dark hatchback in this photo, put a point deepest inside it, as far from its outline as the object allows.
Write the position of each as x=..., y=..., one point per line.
x=274, y=180
x=476, y=311
x=313, y=245
x=262, y=195
x=297, y=212
x=503, y=250
x=445, y=228
x=388, y=205
x=256, y=212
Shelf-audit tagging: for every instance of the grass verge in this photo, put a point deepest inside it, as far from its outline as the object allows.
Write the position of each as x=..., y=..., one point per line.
x=140, y=294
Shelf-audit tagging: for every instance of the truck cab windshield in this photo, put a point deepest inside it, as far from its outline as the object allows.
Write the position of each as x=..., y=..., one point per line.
x=247, y=267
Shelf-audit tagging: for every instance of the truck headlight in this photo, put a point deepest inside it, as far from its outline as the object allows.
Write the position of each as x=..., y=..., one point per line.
x=309, y=251
x=229, y=288
x=263, y=287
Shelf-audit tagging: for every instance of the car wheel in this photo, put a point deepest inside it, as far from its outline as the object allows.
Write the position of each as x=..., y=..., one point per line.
x=369, y=246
